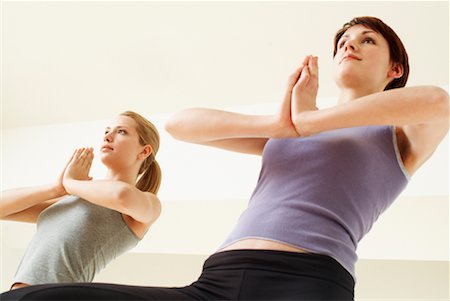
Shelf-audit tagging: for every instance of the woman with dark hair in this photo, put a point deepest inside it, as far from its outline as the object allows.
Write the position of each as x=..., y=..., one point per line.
x=83, y=224
x=326, y=177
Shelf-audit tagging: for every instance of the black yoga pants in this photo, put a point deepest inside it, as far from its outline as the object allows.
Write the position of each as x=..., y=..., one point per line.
x=229, y=275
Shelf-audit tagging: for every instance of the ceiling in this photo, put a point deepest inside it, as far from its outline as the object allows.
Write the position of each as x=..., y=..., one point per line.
x=76, y=61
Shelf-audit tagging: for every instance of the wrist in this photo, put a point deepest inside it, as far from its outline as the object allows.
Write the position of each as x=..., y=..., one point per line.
x=68, y=185
x=304, y=123
x=281, y=127
x=58, y=190
x=276, y=128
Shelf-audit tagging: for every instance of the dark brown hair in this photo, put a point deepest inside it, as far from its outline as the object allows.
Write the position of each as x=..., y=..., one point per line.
x=150, y=172
x=397, y=51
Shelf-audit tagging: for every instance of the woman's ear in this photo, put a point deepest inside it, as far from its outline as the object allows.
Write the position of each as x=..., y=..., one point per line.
x=396, y=71
x=146, y=151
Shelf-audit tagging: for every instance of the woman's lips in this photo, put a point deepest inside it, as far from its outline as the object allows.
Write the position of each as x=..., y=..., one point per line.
x=350, y=57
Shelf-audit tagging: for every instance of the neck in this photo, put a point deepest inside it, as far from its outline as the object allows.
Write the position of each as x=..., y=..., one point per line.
x=350, y=94
x=123, y=176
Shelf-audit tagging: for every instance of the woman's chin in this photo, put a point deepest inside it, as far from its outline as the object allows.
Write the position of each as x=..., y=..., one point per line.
x=106, y=159
x=111, y=162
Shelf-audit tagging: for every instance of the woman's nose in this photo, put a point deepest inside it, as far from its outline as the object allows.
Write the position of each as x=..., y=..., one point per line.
x=108, y=137
x=349, y=45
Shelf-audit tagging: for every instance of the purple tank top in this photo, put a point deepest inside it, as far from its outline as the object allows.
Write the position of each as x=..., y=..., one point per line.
x=324, y=192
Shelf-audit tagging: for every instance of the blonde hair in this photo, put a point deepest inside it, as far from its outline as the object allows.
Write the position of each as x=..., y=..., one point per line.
x=149, y=175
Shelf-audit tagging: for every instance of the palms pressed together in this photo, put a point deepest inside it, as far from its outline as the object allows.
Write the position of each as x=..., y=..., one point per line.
x=300, y=98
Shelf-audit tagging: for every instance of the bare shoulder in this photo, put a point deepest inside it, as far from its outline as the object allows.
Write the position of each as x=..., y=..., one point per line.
x=140, y=228
x=155, y=204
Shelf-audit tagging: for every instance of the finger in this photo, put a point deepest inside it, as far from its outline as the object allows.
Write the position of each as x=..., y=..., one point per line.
x=89, y=160
x=312, y=65
x=68, y=162
x=306, y=73
x=303, y=79
x=295, y=76
x=91, y=153
x=78, y=153
x=88, y=167
x=306, y=60
x=83, y=156
x=297, y=72
x=88, y=156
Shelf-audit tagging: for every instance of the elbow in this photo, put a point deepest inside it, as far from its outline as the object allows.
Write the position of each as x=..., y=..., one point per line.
x=145, y=211
x=439, y=100
x=171, y=125
x=155, y=209
x=443, y=101
x=176, y=126
x=151, y=212
x=186, y=125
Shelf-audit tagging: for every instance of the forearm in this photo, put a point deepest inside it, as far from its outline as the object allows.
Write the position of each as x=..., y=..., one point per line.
x=100, y=192
x=406, y=106
x=203, y=125
x=116, y=195
x=19, y=199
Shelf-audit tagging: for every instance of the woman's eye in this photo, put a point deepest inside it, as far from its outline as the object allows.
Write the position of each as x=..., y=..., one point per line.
x=121, y=132
x=369, y=40
x=106, y=132
x=341, y=44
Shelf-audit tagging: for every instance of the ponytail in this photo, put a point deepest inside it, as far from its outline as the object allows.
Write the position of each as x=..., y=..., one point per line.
x=150, y=179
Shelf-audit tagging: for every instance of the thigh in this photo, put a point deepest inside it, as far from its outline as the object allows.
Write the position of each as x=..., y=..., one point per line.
x=97, y=291
x=269, y=285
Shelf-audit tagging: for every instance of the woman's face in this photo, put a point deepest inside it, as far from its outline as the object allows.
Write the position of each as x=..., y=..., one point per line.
x=120, y=148
x=362, y=60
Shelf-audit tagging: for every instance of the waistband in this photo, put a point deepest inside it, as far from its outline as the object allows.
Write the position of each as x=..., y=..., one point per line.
x=302, y=264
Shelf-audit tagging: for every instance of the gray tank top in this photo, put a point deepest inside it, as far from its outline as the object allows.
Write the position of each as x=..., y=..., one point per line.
x=73, y=241
x=324, y=192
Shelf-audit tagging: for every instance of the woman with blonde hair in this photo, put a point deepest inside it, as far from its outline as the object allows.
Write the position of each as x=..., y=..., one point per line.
x=326, y=176
x=83, y=224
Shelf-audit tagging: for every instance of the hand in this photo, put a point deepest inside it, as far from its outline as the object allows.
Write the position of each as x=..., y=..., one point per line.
x=304, y=93
x=286, y=127
x=79, y=166
x=59, y=187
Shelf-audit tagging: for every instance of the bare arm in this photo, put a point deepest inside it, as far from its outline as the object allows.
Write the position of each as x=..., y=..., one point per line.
x=222, y=129
x=142, y=206
x=421, y=113
x=426, y=105
x=234, y=131
x=25, y=204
